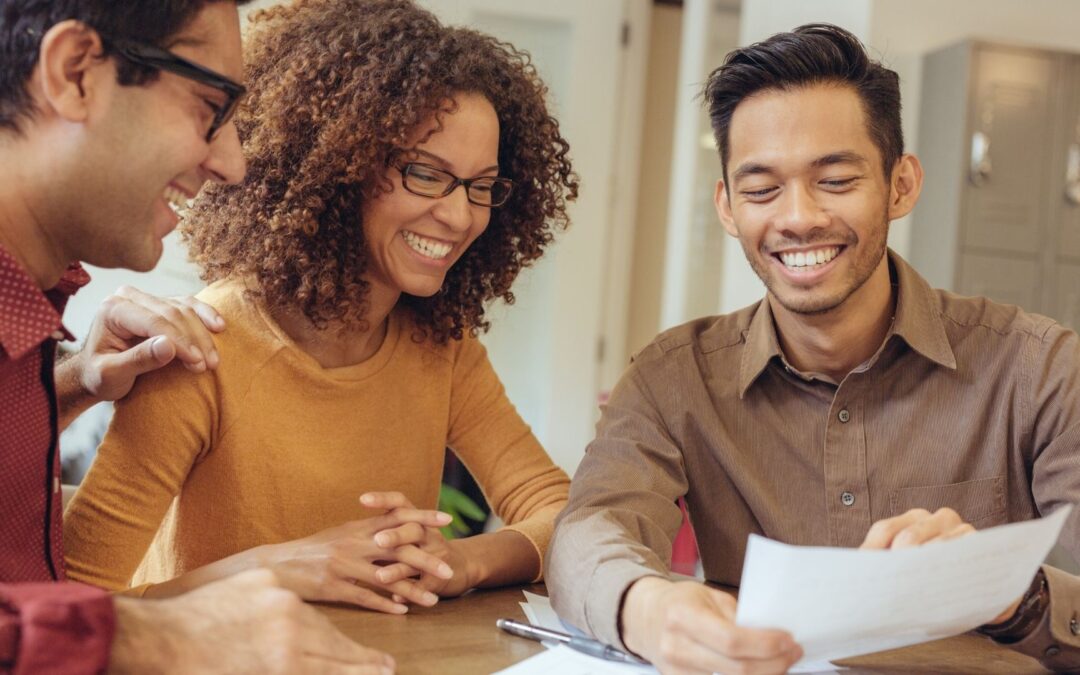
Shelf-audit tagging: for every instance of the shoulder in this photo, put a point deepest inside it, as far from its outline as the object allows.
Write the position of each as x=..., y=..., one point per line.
x=964, y=315
x=703, y=335
x=247, y=332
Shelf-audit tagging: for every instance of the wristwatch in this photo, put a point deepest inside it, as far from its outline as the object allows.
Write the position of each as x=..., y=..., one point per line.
x=1026, y=617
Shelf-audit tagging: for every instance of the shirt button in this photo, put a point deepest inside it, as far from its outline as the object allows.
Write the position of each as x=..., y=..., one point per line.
x=844, y=416
x=1052, y=651
x=847, y=499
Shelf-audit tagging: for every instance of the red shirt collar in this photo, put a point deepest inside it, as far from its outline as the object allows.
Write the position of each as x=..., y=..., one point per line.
x=28, y=315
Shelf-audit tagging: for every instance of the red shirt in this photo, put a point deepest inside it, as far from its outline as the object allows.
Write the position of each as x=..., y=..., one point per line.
x=44, y=627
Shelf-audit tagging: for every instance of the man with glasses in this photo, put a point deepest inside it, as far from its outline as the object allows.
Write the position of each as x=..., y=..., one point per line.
x=113, y=115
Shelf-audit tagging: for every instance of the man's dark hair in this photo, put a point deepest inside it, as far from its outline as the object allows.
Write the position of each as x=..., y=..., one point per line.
x=817, y=53
x=23, y=24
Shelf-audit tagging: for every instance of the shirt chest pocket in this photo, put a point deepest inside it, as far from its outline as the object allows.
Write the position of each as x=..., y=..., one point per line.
x=979, y=502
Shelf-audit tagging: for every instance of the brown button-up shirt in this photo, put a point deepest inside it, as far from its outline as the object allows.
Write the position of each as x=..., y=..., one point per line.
x=968, y=404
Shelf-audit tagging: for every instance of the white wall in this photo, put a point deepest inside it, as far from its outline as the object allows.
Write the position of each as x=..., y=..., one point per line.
x=695, y=246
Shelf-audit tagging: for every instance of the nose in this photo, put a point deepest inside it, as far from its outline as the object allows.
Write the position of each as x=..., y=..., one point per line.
x=799, y=211
x=454, y=210
x=226, y=163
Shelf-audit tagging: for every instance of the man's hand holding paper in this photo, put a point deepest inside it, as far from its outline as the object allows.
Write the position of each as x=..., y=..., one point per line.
x=687, y=627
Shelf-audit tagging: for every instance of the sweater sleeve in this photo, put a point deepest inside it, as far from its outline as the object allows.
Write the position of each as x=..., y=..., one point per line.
x=521, y=483
x=160, y=430
x=55, y=628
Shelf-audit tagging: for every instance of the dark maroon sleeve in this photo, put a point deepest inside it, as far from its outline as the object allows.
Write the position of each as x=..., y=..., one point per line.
x=55, y=628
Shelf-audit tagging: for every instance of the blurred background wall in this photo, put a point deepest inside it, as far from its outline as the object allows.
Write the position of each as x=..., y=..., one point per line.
x=645, y=250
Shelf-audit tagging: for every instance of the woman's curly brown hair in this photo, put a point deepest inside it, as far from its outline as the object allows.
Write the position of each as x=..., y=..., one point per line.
x=339, y=86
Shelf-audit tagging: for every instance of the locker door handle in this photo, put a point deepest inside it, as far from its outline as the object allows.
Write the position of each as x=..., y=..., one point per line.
x=981, y=166
x=1072, y=175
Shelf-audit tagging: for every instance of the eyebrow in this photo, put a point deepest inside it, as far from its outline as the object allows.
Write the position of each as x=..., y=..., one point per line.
x=446, y=164
x=843, y=157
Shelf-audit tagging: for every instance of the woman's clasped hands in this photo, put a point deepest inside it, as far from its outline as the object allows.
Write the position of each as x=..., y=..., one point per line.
x=383, y=562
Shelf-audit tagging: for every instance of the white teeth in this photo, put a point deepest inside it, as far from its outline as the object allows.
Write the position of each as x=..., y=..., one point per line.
x=810, y=258
x=436, y=250
x=176, y=199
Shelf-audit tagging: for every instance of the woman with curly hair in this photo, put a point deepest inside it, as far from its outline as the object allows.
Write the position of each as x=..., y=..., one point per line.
x=400, y=175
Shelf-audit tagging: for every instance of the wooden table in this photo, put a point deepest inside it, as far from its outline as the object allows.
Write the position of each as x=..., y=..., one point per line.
x=459, y=637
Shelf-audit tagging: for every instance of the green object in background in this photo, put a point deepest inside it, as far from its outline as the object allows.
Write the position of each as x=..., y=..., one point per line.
x=457, y=504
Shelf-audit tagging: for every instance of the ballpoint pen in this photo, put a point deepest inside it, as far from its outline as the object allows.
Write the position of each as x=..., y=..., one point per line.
x=576, y=642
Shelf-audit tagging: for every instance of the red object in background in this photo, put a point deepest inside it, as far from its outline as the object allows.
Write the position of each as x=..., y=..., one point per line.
x=684, y=550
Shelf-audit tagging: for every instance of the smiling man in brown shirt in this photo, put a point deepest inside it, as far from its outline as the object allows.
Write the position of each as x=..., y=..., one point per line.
x=854, y=405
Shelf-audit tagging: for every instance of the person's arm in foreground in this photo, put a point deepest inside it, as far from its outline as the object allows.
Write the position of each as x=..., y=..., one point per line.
x=134, y=333
x=244, y=624
x=609, y=559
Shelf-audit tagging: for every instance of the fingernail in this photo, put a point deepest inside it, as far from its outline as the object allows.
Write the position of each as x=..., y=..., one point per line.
x=445, y=571
x=401, y=609
x=367, y=499
x=383, y=576
x=382, y=539
x=444, y=517
x=197, y=353
x=430, y=598
x=214, y=360
x=158, y=346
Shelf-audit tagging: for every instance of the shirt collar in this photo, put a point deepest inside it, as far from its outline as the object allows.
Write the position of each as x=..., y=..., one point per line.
x=28, y=315
x=917, y=321
x=918, y=315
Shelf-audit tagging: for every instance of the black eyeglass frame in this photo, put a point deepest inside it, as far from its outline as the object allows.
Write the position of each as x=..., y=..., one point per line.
x=406, y=168
x=150, y=56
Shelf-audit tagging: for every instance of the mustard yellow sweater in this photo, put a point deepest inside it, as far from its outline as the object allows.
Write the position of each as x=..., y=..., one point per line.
x=273, y=447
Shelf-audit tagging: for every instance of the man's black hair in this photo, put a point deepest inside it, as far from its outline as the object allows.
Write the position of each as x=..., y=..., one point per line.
x=23, y=24
x=816, y=53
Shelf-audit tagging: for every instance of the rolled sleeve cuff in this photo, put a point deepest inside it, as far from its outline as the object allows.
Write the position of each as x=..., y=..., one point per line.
x=1053, y=641
x=62, y=627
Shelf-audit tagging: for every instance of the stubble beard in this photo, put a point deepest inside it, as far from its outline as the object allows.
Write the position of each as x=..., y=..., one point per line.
x=869, y=257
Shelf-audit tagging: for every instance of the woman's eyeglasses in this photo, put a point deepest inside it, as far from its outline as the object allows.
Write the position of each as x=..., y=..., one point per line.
x=161, y=59
x=428, y=181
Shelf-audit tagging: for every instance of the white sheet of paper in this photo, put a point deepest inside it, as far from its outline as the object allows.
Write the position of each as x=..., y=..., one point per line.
x=844, y=602
x=566, y=661
x=543, y=614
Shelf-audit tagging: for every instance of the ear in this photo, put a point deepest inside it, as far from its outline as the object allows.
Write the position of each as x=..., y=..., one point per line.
x=906, y=184
x=70, y=66
x=722, y=201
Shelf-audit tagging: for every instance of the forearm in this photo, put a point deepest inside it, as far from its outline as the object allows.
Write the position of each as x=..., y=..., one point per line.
x=226, y=567
x=142, y=644
x=595, y=556
x=72, y=397
x=498, y=559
